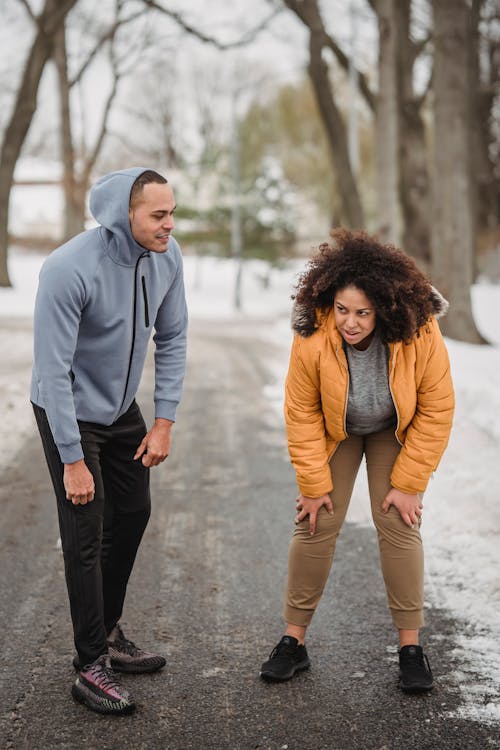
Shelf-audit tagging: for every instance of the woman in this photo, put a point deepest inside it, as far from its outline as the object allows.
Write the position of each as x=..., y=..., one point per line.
x=369, y=375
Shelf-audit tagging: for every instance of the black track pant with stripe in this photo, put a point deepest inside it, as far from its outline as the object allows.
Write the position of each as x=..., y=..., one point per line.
x=100, y=539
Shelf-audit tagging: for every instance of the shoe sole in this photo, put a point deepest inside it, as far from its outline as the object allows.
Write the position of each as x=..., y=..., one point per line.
x=419, y=689
x=134, y=669
x=270, y=677
x=97, y=707
x=415, y=688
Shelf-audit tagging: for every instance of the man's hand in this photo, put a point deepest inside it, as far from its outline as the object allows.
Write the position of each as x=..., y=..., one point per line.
x=78, y=483
x=309, y=506
x=410, y=506
x=155, y=446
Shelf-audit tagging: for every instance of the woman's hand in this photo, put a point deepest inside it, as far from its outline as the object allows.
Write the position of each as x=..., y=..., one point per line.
x=410, y=506
x=309, y=506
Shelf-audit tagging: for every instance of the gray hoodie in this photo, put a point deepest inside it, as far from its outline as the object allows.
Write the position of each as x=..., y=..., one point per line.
x=98, y=298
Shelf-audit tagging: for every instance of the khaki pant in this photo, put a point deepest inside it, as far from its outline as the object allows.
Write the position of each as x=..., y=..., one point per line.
x=401, y=552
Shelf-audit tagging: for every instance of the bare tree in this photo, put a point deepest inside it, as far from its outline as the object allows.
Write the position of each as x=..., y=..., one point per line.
x=453, y=199
x=76, y=180
x=414, y=178
x=309, y=13
x=387, y=124
x=402, y=158
x=485, y=77
x=48, y=23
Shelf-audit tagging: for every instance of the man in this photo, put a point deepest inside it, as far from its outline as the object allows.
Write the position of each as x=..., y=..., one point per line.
x=99, y=296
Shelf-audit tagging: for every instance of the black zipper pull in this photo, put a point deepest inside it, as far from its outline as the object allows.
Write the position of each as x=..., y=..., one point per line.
x=145, y=295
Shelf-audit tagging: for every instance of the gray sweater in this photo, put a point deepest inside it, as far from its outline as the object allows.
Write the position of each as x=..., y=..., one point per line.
x=370, y=407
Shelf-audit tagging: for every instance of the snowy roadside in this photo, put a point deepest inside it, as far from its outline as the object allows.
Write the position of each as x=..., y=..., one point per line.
x=462, y=514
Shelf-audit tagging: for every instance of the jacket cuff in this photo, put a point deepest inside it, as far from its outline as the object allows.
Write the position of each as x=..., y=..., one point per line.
x=70, y=453
x=315, y=489
x=410, y=485
x=165, y=409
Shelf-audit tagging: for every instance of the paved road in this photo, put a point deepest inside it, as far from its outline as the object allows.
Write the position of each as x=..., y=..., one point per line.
x=206, y=591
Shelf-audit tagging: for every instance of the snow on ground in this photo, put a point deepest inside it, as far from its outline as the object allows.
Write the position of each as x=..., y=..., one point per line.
x=461, y=524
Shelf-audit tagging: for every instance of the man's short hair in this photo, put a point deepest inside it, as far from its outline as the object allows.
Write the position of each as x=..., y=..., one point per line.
x=146, y=178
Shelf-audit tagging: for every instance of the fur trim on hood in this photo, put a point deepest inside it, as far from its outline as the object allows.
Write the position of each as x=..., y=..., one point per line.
x=441, y=305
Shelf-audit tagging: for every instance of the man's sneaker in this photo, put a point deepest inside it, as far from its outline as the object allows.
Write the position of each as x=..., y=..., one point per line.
x=96, y=687
x=127, y=657
x=284, y=660
x=415, y=674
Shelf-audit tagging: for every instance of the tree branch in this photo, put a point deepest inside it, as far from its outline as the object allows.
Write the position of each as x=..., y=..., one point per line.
x=108, y=36
x=29, y=11
x=344, y=63
x=247, y=37
x=310, y=16
x=92, y=157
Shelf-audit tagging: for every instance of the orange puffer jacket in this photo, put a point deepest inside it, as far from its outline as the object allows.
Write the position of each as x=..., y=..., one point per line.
x=316, y=393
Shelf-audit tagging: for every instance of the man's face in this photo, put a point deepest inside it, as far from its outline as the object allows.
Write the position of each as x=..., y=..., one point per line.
x=152, y=217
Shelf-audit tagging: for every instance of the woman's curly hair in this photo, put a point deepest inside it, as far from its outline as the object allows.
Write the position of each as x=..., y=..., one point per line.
x=402, y=296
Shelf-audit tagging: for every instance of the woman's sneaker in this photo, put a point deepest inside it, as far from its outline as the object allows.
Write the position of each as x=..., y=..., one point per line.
x=284, y=660
x=96, y=687
x=127, y=657
x=415, y=674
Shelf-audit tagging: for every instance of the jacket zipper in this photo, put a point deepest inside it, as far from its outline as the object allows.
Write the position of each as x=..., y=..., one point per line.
x=346, y=400
x=393, y=364
x=145, y=295
x=133, y=327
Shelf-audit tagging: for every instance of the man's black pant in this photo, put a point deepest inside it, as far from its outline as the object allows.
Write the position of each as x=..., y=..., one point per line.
x=100, y=539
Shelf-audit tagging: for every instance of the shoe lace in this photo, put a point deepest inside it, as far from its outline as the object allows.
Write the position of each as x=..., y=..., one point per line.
x=104, y=677
x=416, y=661
x=281, y=649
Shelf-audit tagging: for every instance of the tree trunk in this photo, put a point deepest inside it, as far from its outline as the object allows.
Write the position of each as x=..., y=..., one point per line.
x=483, y=92
x=453, y=202
x=309, y=13
x=51, y=18
x=73, y=216
x=414, y=182
x=387, y=126
x=336, y=135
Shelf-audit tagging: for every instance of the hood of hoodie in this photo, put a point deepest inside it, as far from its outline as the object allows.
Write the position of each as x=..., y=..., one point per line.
x=109, y=205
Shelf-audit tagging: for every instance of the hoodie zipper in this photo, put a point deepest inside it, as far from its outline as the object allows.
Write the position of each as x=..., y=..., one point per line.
x=144, y=255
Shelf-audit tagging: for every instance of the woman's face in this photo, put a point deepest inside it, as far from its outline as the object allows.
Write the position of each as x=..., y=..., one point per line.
x=354, y=316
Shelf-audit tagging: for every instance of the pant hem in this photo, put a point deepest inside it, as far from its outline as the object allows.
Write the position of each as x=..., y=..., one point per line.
x=408, y=620
x=299, y=617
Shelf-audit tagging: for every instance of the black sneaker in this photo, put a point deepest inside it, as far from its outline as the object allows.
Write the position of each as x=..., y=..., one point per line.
x=96, y=687
x=284, y=660
x=415, y=674
x=127, y=657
